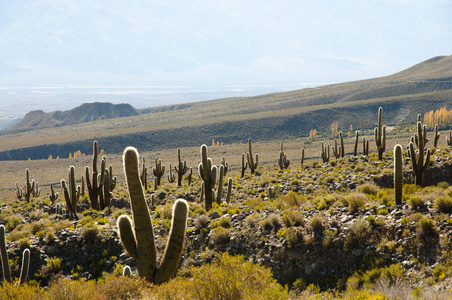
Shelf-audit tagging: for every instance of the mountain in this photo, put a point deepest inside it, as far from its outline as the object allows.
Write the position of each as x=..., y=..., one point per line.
x=416, y=90
x=86, y=112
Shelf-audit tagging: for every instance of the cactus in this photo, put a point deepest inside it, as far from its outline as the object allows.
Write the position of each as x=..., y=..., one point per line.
x=19, y=192
x=365, y=147
x=380, y=136
x=424, y=134
x=251, y=162
x=228, y=195
x=158, y=171
x=244, y=165
x=201, y=198
x=5, y=261
x=190, y=176
x=226, y=166
x=39, y=205
x=341, y=147
x=336, y=150
x=355, y=150
x=419, y=164
x=28, y=190
x=208, y=174
x=171, y=176
x=219, y=192
x=127, y=272
x=58, y=209
x=108, y=185
x=302, y=157
x=94, y=187
x=325, y=153
x=71, y=193
x=144, y=174
x=36, y=191
x=436, y=137
x=449, y=140
x=398, y=173
x=181, y=168
x=283, y=161
x=82, y=186
x=137, y=238
x=270, y=192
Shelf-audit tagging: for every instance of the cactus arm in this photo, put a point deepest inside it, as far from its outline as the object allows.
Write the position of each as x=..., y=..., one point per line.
x=342, y=148
x=175, y=244
x=25, y=266
x=436, y=138
x=245, y=164
x=4, y=255
x=251, y=163
x=127, y=236
x=228, y=195
x=19, y=192
x=220, y=184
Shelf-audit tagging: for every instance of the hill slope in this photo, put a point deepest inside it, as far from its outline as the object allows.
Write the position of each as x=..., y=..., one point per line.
x=86, y=112
x=403, y=95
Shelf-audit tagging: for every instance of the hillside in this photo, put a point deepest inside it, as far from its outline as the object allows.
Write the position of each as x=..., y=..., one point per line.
x=293, y=114
x=86, y=112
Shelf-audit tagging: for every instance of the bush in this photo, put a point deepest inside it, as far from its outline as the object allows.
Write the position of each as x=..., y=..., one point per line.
x=316, y=223
x=443, y=204
x=221, y=222
x=202, y=221
x=272, y=222
x=220, y=235
x=416, y=202
x=368, y=188
x=292, y=218
x=358, y=234
x=355, y=202
x=23, y=243
x=228, y=277
x=425, y=227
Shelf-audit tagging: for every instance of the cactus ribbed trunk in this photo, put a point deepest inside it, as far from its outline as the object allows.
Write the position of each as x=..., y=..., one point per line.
x=181, y=168
x=251, y=162
x=418, y=163
x=355, y=150
x=398, y=174
x=208, y=174
x=380, y=136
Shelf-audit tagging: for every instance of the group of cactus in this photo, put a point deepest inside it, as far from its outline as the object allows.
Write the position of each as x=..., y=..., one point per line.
x=5, y=261
x=208, y=173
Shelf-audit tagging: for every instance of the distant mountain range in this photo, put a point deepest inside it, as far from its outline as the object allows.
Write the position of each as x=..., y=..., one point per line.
x=421, y=88
x=86, y=112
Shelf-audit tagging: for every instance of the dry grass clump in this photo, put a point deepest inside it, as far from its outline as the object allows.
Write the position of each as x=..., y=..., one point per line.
x=368, y=188
x=358, y=234
x=272, y=222
x=443, y=204
x=416, y=202
x=356, y=201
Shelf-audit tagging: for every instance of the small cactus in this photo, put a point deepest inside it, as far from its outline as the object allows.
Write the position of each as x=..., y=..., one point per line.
x=171, y=176
x=436, y=137
x=398, y=173
x=71, y=193
x=380, y=136
x=365, y=147
x=137, y=237
x=325, y=153
x=181, y=168
x=244, y=165
x=355, y=150
x=252, y=163
x=228, y=195
x=144, y=174
x=283, y=161
x=219, y=192
x=28, y=190
x=419, y=164
x=190, y=176
x=336, y=150
x=94, y=186
x=449, y=140
x=127, y=272
x=302, y=157
x=158, y=171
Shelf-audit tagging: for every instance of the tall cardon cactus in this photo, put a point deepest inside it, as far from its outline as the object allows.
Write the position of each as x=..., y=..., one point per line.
x=95, y=186
x=398, y=173
x=252, y=163
x=71, y=193
x=380, y=136
x=181, y=168
x=208, y=174
x=137, y=236
x=418, y=163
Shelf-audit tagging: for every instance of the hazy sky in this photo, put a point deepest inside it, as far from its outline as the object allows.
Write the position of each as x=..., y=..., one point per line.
x=216, y=43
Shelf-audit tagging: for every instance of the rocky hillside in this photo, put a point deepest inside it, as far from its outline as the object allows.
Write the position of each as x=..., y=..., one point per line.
x=86, y=112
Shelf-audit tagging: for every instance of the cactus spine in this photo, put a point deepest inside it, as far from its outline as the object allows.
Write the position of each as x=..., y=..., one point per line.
x=181, y=168
x=418, y=163
x=71, y=193
x=244, y=165
x=158, y=171
x=144, y=174
x=251, y=162
x=325, y=153
x=5, y=261
x=137, y=238
x=355, y=150
x=208, y=174
x=283, y=161
x=380, y=136
x=398, y=174
x=436, y=137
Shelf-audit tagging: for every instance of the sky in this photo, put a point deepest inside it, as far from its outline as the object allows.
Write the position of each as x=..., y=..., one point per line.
x=209, y=44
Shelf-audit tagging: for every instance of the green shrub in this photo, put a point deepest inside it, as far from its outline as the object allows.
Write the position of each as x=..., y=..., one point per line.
x=292, y=218
x=272, y=222
x=416, y=202
x=223, y=222
x=220, y=235
x=355, y=202
x=443, y=204
x=316, y=223
x=358, y=234
x=425, y=228
x=368, y=188
x=23, y=243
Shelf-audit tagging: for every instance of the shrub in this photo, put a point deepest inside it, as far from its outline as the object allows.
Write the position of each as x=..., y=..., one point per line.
x=201, y=221
x=228, y=277
x=223, y=222
x=253, y=219
x=292, y=218
x=355, y=202
x=316, y=223
x=292, y=199
x=358, y=234
x=416, y=202
x=425, y=227
x=90, y=232
x=54, y=265
x=220, y=235
x=23, y=243
x=443, y=204
x=272, y=222
x=368, y=188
